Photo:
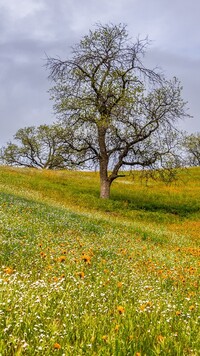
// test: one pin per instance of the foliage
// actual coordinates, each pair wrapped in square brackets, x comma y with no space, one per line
[191,144]
[39,147]
[79,279]
[119,112]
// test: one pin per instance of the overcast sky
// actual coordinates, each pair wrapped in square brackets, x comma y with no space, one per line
[31,28]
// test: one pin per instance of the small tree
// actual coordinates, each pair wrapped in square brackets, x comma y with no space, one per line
[191,144]
[119,112]
[38,147]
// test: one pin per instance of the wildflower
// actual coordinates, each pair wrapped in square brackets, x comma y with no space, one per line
[117,327]
[178,312]
[81,274]
[119,284]
[62,259]
[138,354]
[160,338]
[192,307]
[120,309]
[42,254]
[105,338]
[57,346]
[86,259]
[8,270]
[142,307]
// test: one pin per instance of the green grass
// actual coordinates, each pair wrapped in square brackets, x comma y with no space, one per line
[82,276]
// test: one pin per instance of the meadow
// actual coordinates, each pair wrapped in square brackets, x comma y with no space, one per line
[84,276]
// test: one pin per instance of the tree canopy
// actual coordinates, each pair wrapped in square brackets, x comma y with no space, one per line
[191,145]
[119,112]
[38,147]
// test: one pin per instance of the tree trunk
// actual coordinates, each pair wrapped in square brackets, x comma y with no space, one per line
[103,164]
[104,188]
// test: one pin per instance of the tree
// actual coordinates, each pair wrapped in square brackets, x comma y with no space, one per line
[119,112]
[39,147]
[191,144]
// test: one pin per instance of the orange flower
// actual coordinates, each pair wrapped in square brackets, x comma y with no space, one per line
[86,259]
[62,259]
[119,284]
[138,354]
[192,307]
[120,309]
[8,270]
[81,274]
[160,338]
[57,346]
[178,312]
[42,254]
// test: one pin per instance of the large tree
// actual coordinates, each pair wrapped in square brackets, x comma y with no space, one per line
[119,112]
[38,147]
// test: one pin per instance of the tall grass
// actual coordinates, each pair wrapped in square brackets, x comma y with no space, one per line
[82,276]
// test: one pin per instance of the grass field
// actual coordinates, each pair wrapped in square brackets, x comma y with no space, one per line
[83,276]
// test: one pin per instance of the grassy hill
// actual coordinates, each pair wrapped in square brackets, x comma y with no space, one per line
[83,276]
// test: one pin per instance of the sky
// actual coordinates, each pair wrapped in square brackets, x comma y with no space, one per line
[30,29]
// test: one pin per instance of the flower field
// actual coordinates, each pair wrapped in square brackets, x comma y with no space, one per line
[82,276]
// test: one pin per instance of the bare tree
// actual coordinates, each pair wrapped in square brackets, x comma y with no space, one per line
[119,112]
[38,147]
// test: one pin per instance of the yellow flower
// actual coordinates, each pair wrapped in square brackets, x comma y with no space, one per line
[143,307]
[120,309]
[105,338]
[117,327]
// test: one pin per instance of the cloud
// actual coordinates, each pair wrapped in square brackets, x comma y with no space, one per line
[31,28]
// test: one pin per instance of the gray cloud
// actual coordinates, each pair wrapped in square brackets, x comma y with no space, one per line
[31,28]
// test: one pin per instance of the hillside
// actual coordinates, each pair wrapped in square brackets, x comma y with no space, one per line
[83,276]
